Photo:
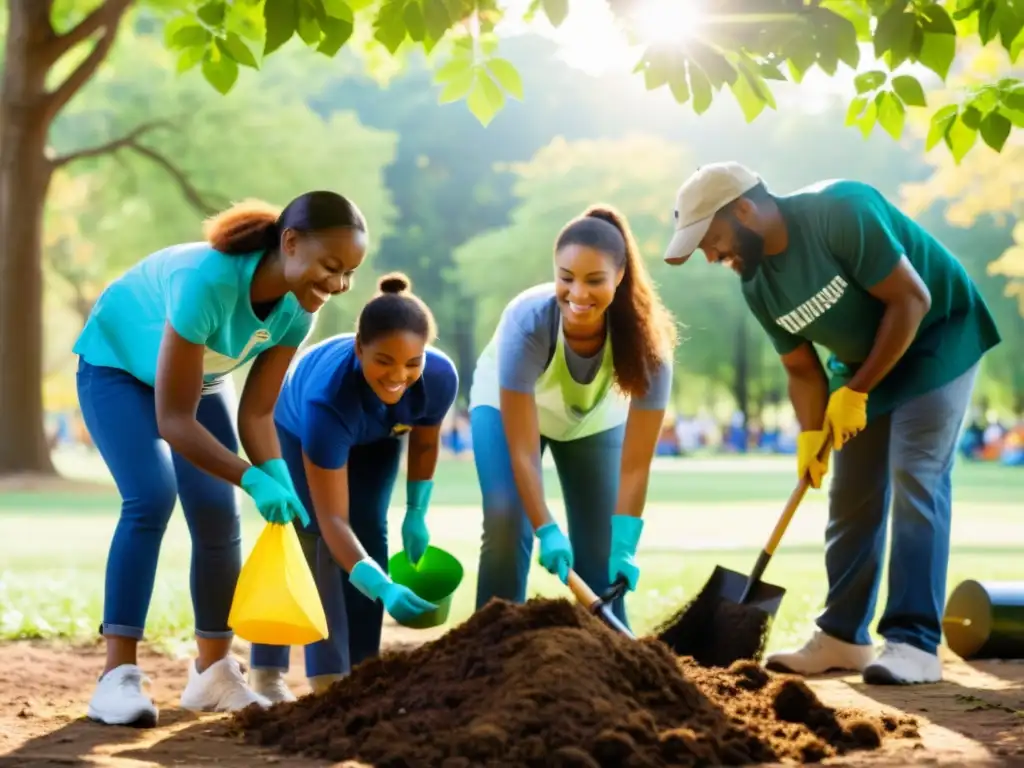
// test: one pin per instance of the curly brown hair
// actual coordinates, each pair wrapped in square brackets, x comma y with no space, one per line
[642,330]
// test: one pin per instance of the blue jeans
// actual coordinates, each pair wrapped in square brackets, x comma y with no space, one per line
[588,470]
[905,457]
[120,414]
[353,620]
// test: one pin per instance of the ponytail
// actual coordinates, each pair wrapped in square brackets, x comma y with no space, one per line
[253,225]
[641,329]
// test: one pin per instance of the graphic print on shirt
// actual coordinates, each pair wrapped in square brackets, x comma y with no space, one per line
[216,364]
[814,307]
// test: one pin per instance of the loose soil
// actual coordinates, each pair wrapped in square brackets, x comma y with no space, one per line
[546,683]
[716,632]
[971,719]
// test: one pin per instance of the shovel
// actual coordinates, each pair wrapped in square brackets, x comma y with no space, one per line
[600,606]
[729,618]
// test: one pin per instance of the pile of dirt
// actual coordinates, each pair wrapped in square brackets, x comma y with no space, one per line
[547,684]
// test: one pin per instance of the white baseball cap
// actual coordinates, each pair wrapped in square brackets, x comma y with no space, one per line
[709,189]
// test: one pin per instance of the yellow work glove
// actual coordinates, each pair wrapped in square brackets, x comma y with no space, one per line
[808,446]
[846,415]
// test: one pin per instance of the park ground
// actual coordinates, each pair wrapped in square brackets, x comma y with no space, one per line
[702,512]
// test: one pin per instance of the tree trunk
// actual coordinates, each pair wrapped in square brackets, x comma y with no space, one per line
[741,366]
[465,343]
[24,178]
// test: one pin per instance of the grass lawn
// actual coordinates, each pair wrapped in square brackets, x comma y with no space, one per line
[702,512]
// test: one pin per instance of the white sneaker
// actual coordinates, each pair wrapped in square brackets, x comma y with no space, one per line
[320,683]
[270,684]
[903,664]
[119,700]
[822,653]
[220,688]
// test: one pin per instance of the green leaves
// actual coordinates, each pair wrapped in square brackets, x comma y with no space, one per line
[484,83]
[909,90]
[556,11]
[746,57]
[221,71]
[995,130]
[281,18]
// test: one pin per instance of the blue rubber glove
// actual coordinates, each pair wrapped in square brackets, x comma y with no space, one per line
[415,536]
[274,501]
[625,538]
[400,602]
[278,469]
[555,551]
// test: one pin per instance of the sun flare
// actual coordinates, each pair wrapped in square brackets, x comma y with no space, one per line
[594,40]
[667,21]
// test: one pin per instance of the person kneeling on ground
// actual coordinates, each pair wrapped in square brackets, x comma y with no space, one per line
[340,416]
[836,264]
[154,362]
[583,365]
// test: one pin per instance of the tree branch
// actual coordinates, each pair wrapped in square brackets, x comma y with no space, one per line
[131,141]
[111,146]
[84,71]
[107,14]
[194,197]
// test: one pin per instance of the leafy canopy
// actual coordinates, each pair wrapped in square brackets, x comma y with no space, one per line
[745,45]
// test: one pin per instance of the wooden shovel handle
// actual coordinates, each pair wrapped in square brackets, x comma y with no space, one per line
[794,501]
[583,593]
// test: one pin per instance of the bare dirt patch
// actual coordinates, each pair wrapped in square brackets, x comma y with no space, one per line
[975,717]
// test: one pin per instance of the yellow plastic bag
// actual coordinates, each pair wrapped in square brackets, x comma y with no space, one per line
[276,600]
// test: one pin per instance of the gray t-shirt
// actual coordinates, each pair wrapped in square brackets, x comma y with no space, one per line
[528,342]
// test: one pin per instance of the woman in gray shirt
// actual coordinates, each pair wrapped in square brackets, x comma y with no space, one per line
[583,365]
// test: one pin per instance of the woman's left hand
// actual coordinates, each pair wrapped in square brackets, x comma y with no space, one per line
[625,538]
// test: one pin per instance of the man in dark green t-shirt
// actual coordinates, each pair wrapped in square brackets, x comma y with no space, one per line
[838,266]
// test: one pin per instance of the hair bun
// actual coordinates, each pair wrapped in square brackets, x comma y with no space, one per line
[394,282]
[606,214]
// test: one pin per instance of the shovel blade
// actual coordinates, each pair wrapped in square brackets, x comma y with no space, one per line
[729,585]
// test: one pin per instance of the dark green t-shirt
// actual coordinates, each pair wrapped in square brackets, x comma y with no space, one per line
[844,238]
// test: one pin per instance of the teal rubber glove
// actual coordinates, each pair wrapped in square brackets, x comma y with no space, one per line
[555,551]
[400,602]
[625,538]
[278,469]
[415,536]
[274,501]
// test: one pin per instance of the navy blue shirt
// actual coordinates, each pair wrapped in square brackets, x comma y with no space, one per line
[329,407]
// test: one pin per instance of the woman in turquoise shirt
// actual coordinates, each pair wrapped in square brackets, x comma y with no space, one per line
[154,359]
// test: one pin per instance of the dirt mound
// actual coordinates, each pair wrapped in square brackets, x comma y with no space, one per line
[546,684]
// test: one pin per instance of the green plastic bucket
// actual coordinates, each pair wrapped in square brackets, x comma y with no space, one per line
[435,578]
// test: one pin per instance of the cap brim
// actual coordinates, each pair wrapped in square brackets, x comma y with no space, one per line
[686,240]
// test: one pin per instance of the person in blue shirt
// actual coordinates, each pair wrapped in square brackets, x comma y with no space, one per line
[343,409]
[153,384]
[583,366]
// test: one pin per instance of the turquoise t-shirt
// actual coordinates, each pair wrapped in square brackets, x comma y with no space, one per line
[204,294]
[844,238]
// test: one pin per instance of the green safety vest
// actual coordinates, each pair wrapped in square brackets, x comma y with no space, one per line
[566,409]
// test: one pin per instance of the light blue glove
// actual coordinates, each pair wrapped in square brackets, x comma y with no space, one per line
[415,536]
[400,602]
[278,469]
[625,538]
[275,502]
[555,551]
